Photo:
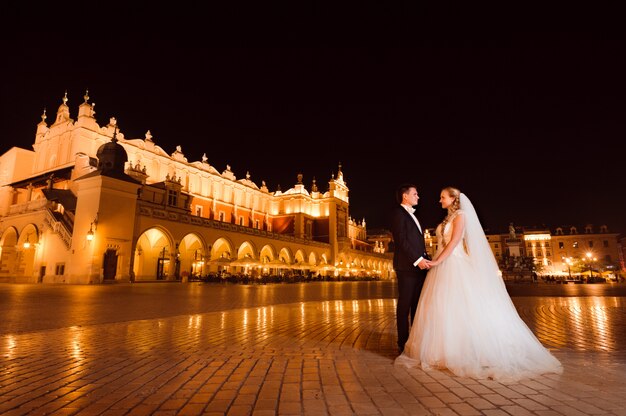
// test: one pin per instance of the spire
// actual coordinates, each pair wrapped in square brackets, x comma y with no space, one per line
[42,126]
[86,109]
[63,113]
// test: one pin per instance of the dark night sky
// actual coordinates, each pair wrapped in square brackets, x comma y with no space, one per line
[529,124]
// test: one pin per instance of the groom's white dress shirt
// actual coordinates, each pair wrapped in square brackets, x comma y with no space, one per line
[411,211]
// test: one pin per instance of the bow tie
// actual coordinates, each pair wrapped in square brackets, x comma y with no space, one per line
[410,209]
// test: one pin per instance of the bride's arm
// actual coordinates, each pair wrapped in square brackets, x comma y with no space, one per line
[458,225]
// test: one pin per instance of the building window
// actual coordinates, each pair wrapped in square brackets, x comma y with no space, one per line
[241,221]
[199,210]
[257,224]
[575,244]
[172,198]
[590,244]
[496,245]
[605,243]
[59,269]
[561,245]
[221,218]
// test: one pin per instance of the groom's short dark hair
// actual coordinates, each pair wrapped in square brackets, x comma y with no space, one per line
[403,189]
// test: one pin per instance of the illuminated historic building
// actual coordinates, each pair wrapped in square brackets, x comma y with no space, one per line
[87,205]
[563,251]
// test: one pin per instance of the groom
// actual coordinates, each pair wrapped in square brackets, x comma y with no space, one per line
[408,259]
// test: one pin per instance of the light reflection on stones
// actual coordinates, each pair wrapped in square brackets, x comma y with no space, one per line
[11,347]
[577,323]
[75,343]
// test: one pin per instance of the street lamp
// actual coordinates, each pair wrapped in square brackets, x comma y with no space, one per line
[589,259]
[569,266]
[27,242]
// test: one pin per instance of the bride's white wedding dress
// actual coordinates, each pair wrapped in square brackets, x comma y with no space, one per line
[465,320]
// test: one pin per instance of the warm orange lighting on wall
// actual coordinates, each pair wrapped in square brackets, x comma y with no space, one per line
[90,234]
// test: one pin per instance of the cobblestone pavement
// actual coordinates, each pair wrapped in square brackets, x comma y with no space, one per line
[317,348]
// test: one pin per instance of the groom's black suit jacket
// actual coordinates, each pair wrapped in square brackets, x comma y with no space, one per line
[408,241]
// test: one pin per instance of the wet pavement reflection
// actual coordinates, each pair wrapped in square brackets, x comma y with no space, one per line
[317,348]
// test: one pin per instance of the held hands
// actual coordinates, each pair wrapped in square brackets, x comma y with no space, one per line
[429,263]
[424,264]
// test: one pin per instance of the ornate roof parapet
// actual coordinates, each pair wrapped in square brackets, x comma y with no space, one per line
[112,129]
[179,155]
[298,188]
[137,172]
[173,182]
[248,182]
[228,174]
[314,186]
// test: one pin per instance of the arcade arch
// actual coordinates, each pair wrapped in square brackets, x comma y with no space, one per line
[155,256]
[8,251]
[191,255]
[26,251]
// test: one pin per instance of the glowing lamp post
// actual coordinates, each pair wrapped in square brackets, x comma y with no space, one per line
[569,266]
[590,259]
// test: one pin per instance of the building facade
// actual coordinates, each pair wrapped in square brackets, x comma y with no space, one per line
[562,252]
[87,205]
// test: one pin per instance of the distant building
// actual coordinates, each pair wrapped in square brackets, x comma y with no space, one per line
[87,205]
[561,251]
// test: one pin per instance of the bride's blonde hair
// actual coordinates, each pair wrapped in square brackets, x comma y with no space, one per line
[454,207]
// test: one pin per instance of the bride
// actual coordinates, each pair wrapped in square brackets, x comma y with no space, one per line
[465,320]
